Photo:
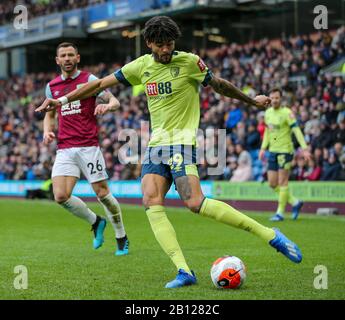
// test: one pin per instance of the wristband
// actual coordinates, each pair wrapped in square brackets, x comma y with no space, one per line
[63,100]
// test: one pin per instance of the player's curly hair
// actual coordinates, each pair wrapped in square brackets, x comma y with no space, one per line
[161,29]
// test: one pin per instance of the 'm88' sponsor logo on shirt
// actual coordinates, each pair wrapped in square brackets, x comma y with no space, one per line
[156,88]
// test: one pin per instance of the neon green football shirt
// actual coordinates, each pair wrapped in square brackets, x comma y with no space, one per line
[279,124]
[172,92]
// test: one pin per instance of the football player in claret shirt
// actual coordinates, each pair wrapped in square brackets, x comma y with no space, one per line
[280,122]
[78,148]
[172,79]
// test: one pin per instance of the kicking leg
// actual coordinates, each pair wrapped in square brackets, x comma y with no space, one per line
[191,193]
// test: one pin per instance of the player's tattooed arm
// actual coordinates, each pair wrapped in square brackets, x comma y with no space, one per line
[183,187]
[102,99]
[106,102]
[226,88]
[108,98]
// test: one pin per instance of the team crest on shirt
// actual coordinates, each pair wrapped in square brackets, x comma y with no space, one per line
[175,71]
[146,74]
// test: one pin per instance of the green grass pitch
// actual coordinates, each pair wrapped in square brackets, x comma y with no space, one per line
[57,250]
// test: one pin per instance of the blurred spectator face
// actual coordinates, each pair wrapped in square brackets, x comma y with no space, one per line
[338,82]
[304,116]
[301,162]
[251,128]
[231,149]
[317,153]
[305,102]
[314,102]
[334,125]
[238,148]
[311,162]
[332,158]
[261,117]
[67,59]
[316,114]
[338,147]
[294,68]
[323,125]
[342,124]
[275,99]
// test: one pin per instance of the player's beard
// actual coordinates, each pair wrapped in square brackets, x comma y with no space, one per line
[163,61]
[69,69]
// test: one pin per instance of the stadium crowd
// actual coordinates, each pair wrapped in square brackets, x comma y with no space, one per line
[293,64]
[38,8]
[41,7]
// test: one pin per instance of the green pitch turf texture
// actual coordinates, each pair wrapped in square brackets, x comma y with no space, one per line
[56,248]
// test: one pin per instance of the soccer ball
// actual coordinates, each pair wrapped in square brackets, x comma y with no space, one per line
[228,272]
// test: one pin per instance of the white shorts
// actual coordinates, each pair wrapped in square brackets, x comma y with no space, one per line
[88,160]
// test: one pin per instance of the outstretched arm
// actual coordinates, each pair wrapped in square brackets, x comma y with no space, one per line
[86,91]
[226,88]
[92,88]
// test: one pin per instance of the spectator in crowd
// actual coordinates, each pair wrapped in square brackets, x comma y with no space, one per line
[253,140]
[243,172]
[312,126]
[299,169]
[37,8]
[324,139]
[332,168]
[261,124]
[234,117]
[313,171]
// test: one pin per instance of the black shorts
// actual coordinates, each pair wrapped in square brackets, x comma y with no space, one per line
[279,161]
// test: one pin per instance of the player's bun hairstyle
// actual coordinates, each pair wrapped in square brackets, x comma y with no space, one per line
[161,29]
[65,45]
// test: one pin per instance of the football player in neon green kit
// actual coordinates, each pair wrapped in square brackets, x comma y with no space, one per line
[280,123]
[172,79]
